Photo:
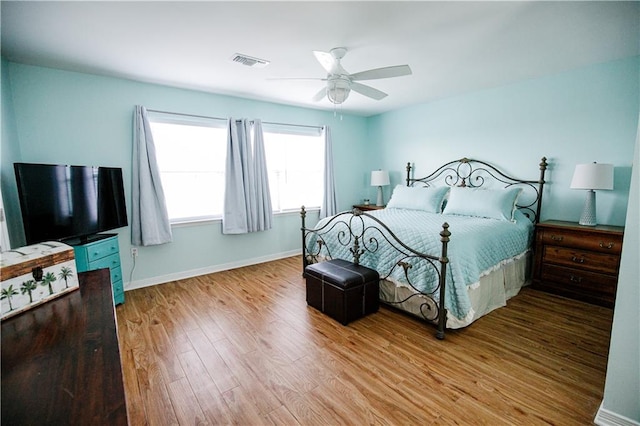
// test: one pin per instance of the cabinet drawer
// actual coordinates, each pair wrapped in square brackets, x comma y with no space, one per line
[102,249]
[116,275]
[117,287]
[111,262]
[588,260]
[586,240]
[118,298]
[118,292]
[576,279]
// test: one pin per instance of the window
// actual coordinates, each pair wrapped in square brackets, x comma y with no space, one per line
[295,160]
[191,154]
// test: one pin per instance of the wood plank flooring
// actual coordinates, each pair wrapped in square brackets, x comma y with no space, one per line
[242,347]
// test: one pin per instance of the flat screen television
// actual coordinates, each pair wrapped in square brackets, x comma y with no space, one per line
[61,202]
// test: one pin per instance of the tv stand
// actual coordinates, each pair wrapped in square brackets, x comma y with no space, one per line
[100,251]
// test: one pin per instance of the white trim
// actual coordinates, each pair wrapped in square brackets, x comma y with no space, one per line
[605,417]
[291,129]
[133,285]
[218,219]
[185,119]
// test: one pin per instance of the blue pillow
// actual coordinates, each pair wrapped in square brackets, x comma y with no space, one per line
[495,204]
[428,199]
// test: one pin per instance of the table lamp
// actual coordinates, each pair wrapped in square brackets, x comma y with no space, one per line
[591,176]
[380,178]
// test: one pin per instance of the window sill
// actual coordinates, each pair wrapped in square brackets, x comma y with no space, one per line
[209,220]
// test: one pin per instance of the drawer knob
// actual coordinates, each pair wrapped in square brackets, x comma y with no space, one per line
[575,279]
[608,246]
[557,238]
[577,259]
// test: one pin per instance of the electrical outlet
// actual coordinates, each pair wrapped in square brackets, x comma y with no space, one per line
[134,251]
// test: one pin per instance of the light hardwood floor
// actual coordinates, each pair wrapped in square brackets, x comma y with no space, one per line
[242,347]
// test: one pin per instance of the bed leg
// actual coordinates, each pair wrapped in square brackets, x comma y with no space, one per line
[442,311]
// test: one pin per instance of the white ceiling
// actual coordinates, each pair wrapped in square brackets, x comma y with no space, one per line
[452,47]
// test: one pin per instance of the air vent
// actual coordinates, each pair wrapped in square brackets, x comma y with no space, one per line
[249,61]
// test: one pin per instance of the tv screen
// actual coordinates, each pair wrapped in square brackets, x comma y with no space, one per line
[61,202]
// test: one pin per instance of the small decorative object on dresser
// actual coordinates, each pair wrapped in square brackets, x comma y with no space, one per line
[580,262]
[35,274]
[367,207]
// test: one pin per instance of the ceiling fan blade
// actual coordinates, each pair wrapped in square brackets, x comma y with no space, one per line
[386,72]
[368,91]
[320,95]
[326,60]
[329,63]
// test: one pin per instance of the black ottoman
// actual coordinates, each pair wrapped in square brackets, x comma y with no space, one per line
[343,290]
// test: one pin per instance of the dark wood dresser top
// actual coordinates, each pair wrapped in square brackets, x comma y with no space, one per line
[61,361]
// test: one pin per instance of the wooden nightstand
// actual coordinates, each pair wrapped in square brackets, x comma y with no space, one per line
[367,207]
[580,262]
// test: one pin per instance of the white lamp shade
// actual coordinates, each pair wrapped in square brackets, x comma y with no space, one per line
[379,178]
[593,176]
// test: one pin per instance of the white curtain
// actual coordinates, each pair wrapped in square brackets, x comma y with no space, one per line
[247,200]
[149,217]
[329,204]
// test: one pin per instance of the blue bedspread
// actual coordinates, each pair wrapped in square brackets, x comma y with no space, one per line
[476,247]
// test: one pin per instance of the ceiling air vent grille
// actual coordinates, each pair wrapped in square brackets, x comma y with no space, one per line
[249,61]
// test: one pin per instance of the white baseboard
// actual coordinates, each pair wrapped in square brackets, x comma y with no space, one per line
[605,417]
[132,285]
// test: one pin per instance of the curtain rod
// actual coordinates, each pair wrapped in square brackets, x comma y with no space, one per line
[219,118]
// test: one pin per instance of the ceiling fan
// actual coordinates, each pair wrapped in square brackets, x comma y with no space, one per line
[340,82]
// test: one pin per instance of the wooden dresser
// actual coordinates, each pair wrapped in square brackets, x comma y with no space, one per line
[580,262]
[61,361]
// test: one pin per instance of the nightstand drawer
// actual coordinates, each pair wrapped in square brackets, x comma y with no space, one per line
[579,281]
[581,262]
[585,240]
[587,260]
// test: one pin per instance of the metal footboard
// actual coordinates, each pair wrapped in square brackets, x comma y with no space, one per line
[363,234]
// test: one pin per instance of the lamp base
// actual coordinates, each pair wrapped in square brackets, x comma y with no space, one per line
[588,217]
[380,201]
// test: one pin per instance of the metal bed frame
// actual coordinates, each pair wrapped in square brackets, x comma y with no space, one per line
[363,233]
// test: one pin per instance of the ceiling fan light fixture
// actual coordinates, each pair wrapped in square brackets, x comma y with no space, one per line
[338,90]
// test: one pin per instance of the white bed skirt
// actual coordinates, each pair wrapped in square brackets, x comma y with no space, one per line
[494,290]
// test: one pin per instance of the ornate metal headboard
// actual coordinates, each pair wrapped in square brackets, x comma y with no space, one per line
[471,173]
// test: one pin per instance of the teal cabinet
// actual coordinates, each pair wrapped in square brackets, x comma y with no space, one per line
[102,253]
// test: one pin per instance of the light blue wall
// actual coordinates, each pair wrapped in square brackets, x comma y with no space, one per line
[584,115]
[73,118]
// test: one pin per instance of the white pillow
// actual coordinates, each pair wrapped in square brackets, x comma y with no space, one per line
[491,203]
[418,198]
